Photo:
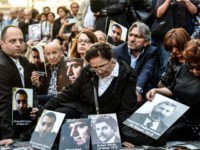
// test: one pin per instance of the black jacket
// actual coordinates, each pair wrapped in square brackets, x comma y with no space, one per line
[9,78]
[80,95]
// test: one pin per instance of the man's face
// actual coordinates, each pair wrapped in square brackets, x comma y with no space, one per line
[74,9]
[116,34]
[79,132]
[104,131]
[36,57]
[136,41]
[12,44]
[21,101]
[73,70]
[27,15]
[46,125]
[53,55]
[162,111]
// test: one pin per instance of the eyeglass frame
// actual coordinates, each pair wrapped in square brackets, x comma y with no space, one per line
[101,67]
[191,67]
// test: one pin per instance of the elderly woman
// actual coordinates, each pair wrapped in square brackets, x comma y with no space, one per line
[82,43]
[186,90]
[175,41]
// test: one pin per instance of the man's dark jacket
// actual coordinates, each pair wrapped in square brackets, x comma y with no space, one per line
[146,65]
[9,78]
[121,97]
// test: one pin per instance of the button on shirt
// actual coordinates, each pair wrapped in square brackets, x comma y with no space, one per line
[20,69]
[106,81]
[134,59]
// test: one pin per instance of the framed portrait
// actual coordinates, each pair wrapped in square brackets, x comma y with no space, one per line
[35,32]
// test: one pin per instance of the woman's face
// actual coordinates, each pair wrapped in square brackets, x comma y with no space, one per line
[175,51]
[50,18]
[61,13]
[83,44]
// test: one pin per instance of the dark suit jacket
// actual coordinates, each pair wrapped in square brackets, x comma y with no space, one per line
[146,65]
[140,118]
[9,78]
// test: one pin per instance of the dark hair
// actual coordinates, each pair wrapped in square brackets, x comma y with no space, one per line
[35,49]
[108,120]
[166,103]
[179,35]
[35,12]
[42,14]
[52,14]
[117,26]
[63,8]
[192,51]
[50,115]
[101,49]
[21,92]
[4,31]
[46,7]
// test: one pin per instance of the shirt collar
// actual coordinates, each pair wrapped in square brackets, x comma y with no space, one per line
[129,52]
[115,71]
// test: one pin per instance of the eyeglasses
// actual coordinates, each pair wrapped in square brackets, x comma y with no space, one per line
[86,41]
[136,36]
[47,124]
[36,56]
[101,67]
[191,67]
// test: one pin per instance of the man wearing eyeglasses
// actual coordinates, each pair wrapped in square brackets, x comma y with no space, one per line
[140,55]
[45,135]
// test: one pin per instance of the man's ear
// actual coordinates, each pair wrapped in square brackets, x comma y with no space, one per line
[146,43]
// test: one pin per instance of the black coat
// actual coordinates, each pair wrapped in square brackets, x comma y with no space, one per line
[9,78]
[80,95]
[109,10]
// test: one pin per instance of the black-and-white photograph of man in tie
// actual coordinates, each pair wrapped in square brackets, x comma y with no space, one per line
[154,119]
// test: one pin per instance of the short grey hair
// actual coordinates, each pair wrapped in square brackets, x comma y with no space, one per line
[143,29]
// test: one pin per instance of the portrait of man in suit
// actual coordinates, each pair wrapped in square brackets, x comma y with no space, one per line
[154,119]
[106,129]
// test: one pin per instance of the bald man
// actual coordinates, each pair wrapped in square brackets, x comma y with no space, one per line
[56,78]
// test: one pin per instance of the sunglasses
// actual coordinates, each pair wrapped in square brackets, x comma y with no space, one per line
[191,67]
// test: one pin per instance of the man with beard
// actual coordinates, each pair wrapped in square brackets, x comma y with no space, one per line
[22,112]
[115,38]
[140,55]
[45,136]
[154,119]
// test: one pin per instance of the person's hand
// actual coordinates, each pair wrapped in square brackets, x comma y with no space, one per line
[35,79]
[30,42]
[26,21]
[127,144]
[139,97]
[6,142]
[150,95]
[66,23]
[33,113]
[97,14]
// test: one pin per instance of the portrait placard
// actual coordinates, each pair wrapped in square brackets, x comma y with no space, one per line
[38,60]
[116,33]
[46,130]
[75,134]
[74,67]
[154,118]
[22,103]
[105,132]
[34,32]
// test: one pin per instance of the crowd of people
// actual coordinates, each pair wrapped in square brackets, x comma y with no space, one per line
[88,71]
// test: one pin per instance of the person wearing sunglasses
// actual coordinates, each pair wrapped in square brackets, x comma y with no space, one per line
[185,89]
